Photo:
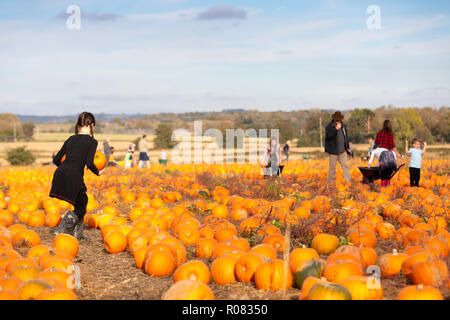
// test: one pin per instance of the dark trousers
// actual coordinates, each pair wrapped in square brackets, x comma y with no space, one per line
[414,176]
[81,204]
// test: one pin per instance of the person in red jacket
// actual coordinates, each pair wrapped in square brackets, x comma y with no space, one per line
[385,138]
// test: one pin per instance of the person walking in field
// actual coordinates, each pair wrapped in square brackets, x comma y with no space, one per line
[129,157]
[143,147]
[385,138]
[286,151]
[337,146]
[68,179]
[107,149]
[272,158]
[371,146]
[275,157]
[415,161]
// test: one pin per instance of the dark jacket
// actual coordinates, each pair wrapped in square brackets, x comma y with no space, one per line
[68,179]
[330,138]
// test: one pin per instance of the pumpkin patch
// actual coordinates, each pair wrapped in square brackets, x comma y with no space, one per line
[200,233]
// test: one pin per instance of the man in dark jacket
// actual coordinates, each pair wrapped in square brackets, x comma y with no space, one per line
[336,145]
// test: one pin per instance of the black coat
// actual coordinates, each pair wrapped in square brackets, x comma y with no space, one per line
[330,138]
[68,179]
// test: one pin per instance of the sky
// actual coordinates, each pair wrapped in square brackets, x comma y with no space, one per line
[151,56]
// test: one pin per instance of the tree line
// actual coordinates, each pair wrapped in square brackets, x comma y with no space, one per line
[427,124]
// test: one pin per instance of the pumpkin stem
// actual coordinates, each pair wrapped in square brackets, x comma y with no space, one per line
[394,252]
[420,287]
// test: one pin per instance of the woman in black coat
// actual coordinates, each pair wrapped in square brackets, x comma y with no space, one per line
[68,179]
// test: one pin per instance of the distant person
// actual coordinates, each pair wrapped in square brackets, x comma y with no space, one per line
[107,149]
[385,138]
[415,161]
[164,157]
[337,146]
[352,153]
[111,160]
[371,146]
[129,157]
[68,183]
[143,147]
[286,150]
[272,158]
[132,147]
[387,163]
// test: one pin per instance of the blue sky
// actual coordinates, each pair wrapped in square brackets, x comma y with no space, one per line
[154,56]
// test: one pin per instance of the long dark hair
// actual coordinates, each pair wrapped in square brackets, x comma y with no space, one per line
[85,119]
[387,127]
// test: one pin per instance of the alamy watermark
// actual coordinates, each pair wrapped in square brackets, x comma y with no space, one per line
[374,20]
[211,147]
[74,280]
[374,281]
[73,22]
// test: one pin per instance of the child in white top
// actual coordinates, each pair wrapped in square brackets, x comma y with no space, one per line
[415,161]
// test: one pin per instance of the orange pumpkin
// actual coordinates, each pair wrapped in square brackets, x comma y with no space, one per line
[265,250]
[193,270]
[391,263]
[26,237]
[276,240]
[66,242]
[419,292]
[369,256]
[246,266]
[56,294]
[340,270]
[204,248]
[274,276]
[99,160]
[430,272]
[30,289]
[160,263]
[115,242]
[363,288]
[26,273]
[188,290]
[222,270]
[224,234]
[325,243]
[300,255]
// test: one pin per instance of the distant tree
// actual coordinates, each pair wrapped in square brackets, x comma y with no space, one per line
[117,120]
[20,156]
[441,130]
[142,124]
[310,133]
[405,123]
[9,122]
[28,129]
[163,138]
[286,130]
[358,125]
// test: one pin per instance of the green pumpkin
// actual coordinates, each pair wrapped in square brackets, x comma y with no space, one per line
[328,291]
[310,268]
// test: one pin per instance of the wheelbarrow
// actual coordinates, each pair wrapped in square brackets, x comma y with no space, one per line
[370,174]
